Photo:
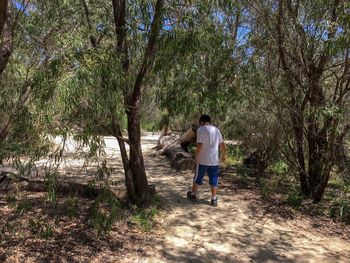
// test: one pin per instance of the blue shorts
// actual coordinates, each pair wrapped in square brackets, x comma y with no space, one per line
[213,174]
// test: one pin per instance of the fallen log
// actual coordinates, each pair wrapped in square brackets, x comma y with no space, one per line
[179,159]
[9,178]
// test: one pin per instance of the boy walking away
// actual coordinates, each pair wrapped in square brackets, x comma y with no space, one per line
[209,141]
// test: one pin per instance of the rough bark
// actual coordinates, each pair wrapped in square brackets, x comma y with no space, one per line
[136,178]
[6,44]
[320,137]
[3,14]
[8,179]
[296,111]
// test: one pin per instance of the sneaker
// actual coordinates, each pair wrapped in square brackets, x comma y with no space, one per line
[214,202]
[191,196]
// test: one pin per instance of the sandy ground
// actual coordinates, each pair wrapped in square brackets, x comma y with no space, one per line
[238,230]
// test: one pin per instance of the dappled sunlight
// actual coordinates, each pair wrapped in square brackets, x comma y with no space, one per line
[238,230]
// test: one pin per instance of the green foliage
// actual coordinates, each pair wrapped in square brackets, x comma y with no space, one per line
[70,207]
[294,199]
[144,217]
[245,172]
[267,187]
[104,212]
[24,206]
[164,119]
[40,228]
[279,168]
[150,126]
[51,180]
[235,154]
[337,182]
[340,210]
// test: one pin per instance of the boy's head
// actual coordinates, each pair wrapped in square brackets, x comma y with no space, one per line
[204,119]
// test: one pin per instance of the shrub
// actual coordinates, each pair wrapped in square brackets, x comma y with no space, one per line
[104,212]
[340,210]
[23,206]
[70,207]
[294,199]
[144,217]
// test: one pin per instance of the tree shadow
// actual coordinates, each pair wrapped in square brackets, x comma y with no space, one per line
[240,229]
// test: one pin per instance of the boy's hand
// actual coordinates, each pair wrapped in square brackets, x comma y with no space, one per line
[222,158]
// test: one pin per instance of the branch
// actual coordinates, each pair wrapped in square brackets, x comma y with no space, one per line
[119,13]
[324,56]
[23,98]
[150,49]
[87,15]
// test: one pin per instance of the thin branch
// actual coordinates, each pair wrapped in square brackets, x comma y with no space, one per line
[87,16]
[150,49]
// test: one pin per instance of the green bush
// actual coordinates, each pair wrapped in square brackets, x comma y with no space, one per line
[144,217]
[279,168]
[70,207]
[235,154]
[104,212]
[294,199]
[340,210]
[41,229]
[23,206]
[267,187]
[51,187]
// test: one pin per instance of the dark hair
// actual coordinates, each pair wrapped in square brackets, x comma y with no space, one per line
[204,118]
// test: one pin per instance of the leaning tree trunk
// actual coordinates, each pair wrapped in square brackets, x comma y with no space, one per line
[3,14]
[139,185]
[6,40]
[135,173]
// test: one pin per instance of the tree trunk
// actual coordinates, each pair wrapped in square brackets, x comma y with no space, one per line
[298,137]
[6,44]
[3,14]
[136,163]
[135,173]
[128,173]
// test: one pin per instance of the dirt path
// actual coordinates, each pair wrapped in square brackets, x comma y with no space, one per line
[243,228]
[238,230]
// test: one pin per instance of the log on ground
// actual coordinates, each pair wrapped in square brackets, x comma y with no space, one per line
[179,159]
[11,179]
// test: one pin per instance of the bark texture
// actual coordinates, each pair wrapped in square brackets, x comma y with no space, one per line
[3,14]
[136,179]
[179,159]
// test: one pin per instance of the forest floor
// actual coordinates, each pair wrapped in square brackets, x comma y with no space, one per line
[243,227]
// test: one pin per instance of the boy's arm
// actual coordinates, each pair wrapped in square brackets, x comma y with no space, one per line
[222,152]
[198,150]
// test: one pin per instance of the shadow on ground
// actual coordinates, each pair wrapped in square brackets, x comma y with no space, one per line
[240,229]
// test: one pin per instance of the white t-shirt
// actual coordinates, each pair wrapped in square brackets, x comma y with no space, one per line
[210,137]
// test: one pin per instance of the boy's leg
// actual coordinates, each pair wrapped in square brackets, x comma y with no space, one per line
[213,173]
[194,188]
[213,191]
[197,180]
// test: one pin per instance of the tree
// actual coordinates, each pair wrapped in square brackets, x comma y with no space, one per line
[136,179]
[111,74]
[313,54]
[3,14]
[28,79]
[198,61]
